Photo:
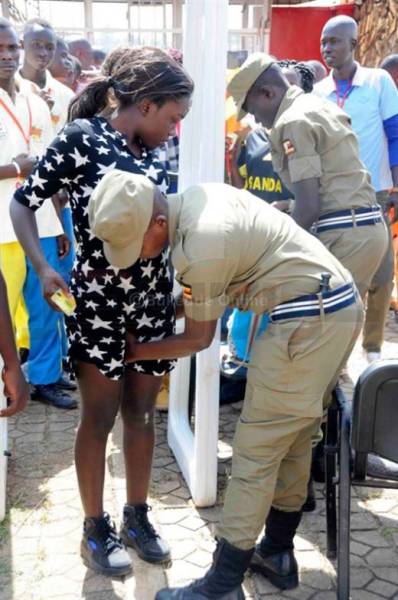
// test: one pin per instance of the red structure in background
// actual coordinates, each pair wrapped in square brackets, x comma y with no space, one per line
[296,30]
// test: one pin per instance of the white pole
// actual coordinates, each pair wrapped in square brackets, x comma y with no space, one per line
[201,160]
[88,20]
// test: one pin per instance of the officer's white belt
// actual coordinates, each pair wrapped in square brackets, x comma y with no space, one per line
[345,219]
[314,305]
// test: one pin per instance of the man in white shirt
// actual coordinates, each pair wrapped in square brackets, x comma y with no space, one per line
[40,47]
[25,131]
[39,43]
[62,66]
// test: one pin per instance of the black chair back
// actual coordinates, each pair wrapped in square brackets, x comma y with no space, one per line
[375,415]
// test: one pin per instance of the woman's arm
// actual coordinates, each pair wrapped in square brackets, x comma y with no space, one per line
[59,201]
[24,222]
[54,168]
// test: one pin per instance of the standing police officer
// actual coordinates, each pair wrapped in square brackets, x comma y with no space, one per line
[316,154]
[230,248]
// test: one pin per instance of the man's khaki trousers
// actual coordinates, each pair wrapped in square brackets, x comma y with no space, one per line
[360,250]
[295,365]
[379,293]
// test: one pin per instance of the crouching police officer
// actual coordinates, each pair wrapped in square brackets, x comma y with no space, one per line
[230,248]
[315,152]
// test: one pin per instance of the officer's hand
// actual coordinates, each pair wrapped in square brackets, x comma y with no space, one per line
[392,202]
[282,205]
[51,281]
[63,244]
[15,389]
[26,164]
[131,343]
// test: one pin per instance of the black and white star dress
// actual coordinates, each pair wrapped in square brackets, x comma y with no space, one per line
[110,301]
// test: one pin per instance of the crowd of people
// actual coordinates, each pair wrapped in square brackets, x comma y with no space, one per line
[299,236]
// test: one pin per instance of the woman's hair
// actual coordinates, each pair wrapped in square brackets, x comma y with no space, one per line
[131,75]
[305,73]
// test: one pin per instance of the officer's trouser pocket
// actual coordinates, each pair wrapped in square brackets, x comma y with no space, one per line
[294,363]
[281,376]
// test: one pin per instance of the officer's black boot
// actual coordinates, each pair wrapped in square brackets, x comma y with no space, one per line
[274,556]
[222,581]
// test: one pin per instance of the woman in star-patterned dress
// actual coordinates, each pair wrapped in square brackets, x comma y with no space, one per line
[117,121]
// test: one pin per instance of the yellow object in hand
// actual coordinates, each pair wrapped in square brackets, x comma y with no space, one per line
[65,302]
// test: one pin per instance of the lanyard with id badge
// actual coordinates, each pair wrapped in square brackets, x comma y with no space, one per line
[26,135]
[65,302]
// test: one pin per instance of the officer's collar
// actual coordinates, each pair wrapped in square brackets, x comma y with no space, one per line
[292,93]
[175,204]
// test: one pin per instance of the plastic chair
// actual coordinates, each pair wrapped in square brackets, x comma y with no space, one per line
[355,440]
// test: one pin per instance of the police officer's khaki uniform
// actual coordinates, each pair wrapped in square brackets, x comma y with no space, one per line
[379,293]
[230,248]
[312,138]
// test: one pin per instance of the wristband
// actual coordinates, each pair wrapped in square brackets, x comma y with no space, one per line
[17,168]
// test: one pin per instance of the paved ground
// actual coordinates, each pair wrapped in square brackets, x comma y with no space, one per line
[39,540]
